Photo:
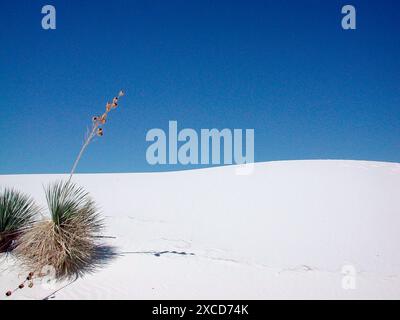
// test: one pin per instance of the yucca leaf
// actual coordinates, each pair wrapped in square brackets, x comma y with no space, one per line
[68,202]
[17,211]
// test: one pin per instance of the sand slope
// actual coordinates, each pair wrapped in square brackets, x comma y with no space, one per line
[285,231]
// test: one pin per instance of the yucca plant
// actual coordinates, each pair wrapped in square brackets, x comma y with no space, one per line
[67,241]
[17,213]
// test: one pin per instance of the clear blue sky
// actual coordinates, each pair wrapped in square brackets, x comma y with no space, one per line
[285,68]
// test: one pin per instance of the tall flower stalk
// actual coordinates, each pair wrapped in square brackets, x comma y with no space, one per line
[97,129]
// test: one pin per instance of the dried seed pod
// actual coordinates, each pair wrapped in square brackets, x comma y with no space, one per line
[100,132]
[21,286]
[94,119]
[121,93]
[115,100]
[114,105]
[30,284]
[108,106]
[8,293]
[103,118]
[30,274]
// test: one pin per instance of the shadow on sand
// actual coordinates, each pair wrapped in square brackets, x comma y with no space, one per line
[101,256]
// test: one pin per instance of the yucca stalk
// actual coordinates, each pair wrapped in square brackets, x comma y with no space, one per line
[96,130]
[17,213]
[67,241]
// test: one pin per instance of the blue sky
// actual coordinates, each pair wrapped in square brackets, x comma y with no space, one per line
[310,89]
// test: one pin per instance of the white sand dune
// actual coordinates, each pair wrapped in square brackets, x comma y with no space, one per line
[285,231]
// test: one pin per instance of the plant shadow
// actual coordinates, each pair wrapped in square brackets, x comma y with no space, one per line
[101,256]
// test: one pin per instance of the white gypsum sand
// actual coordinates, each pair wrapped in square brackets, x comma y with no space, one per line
[285,231]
